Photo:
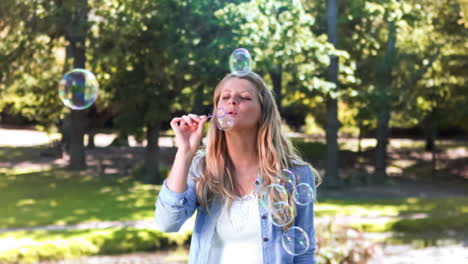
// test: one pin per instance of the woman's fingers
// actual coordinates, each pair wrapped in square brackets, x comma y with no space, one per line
[189,120]
[194,117]
[175,121]
[201,123]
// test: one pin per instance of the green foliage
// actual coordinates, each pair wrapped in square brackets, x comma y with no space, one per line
[139,174]
[144,52]
[310,151]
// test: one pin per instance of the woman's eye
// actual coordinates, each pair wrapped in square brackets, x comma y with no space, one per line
[245,98]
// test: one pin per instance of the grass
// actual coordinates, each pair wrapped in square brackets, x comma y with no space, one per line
[412,215]
[29,247]
[63,197]
[57,196]
[20,153]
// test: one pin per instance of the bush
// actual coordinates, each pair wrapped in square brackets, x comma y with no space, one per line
[310,151]
[139,174]
[343,245]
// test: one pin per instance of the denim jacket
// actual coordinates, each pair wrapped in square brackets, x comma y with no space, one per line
[173,209]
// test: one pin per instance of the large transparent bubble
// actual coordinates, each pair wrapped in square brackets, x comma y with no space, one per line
[78,89]
[303,194]
[240,61]
[281,213]
[225,123]
[271,194]
[287,179]
[295,241]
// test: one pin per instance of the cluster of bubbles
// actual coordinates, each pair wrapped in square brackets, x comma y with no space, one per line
[78,89]
[277,197]
[223,121]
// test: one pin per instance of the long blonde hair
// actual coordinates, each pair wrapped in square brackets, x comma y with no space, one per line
[275,151]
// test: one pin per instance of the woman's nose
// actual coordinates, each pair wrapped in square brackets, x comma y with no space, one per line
[233,102]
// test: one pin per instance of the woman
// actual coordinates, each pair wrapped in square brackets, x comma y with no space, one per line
[221,181]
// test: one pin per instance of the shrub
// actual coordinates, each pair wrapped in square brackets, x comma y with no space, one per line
[342,244]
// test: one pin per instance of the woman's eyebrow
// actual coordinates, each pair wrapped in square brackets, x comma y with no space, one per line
[244,91]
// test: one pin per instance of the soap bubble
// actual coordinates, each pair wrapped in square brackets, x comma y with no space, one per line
[281,213]
[225,123]
[295,241]
[240,61]
[303,194]
[78,89]
[220,112]
[271,194]
[287,179]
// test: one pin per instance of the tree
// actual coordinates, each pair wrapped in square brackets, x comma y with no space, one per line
[76,33]
[38,31]
[332,160]
[166,49]
[285,49]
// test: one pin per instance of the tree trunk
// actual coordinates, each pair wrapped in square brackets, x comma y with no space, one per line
[430,132]
[277,79]
[359,143]
[77,156]
[385,110]
[381,149]
[430,143]
[197,106]
[92,121]
[91,135]
[77,42]
[332,165]
[152,154]
[65,125]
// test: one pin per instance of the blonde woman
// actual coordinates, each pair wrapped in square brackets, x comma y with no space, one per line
[220,181]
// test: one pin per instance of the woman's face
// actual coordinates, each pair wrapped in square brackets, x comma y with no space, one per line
[240,100]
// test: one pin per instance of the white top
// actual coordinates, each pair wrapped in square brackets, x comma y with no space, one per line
[237,237]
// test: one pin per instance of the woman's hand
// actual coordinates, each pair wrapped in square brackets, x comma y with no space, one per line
[188,132]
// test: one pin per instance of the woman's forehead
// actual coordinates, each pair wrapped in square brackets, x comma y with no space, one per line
[238,85]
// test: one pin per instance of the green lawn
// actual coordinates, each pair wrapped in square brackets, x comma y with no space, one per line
[62,197]
[410,215]
[33,246]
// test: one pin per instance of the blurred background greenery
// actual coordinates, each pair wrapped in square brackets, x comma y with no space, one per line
[373,93]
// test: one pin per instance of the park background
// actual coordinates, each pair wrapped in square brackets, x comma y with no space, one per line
[373,94]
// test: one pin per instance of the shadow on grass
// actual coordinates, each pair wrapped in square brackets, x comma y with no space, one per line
[59,197]
[410,218]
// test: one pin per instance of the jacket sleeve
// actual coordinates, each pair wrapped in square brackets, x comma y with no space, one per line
[172,208]
[305,218]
